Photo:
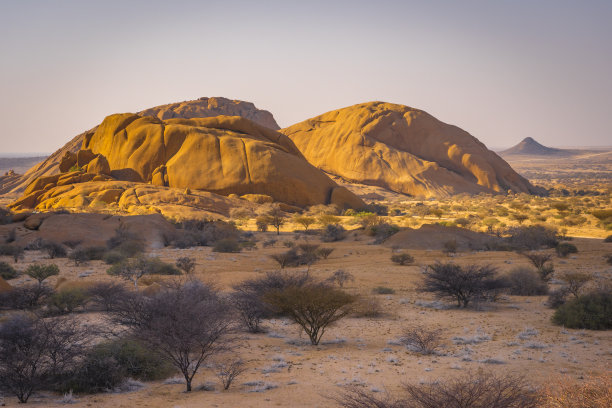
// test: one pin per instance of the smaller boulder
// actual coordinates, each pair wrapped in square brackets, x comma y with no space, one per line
[99,165]
[84,157]
[34,221]
[68,160]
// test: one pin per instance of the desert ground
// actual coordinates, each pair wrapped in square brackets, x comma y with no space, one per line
[512,335]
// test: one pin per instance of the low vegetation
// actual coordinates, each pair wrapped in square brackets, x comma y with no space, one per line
[591,311]
[473,390]
[313,307]
[462,283]
[402,258]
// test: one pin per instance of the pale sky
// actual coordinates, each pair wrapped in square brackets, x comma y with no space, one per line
[502,70]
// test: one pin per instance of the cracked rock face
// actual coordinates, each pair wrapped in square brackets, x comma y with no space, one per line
[222,155]
[199,108]
[403,149]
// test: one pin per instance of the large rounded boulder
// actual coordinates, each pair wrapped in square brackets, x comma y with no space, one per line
[222,155]
[403,149]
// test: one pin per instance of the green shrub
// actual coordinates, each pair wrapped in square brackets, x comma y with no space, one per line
[381,231]
[67,300]
[108,364]
[526,282]
[7,271]
[382,290]
[531,237]
[565,248]
[227,245]
[42,272]
[113,257]
[592,311]
[312,307]
[403,258]
[83,255]
[136,360]
[156,266]
[97,373]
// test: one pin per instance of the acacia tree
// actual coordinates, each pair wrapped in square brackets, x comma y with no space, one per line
[313,307]
[130,269]
[276,218]
[305,221]
[541,262]
[461,283]
[187,323]
[35,351]
[42,272]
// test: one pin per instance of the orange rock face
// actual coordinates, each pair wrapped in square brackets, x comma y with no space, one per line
[222,155]
[404,150]
[199,108]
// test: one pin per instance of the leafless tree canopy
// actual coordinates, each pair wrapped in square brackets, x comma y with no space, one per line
[421,339]
[35,351]
[187,323]
[227,372]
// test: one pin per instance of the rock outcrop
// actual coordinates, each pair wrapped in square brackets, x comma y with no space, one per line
[403,149]
[209,107]
[222,155]
[203,107]
[530,147]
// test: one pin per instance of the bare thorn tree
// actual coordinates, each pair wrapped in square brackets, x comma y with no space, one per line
[187,323]
[35,351]
[423,340]
[227,372]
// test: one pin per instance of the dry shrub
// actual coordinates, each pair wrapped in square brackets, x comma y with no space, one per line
[482,389]
[422,340]
[341,277]
[592,392]
[367,306]
[526,282]
[575,281]
[403,258]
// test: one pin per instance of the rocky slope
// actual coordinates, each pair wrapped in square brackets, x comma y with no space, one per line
[225,155]
[403,149]
[203,107]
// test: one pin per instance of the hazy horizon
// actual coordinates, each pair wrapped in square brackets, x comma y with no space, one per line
[502,71]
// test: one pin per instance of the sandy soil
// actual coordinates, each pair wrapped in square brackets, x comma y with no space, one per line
[285,371]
